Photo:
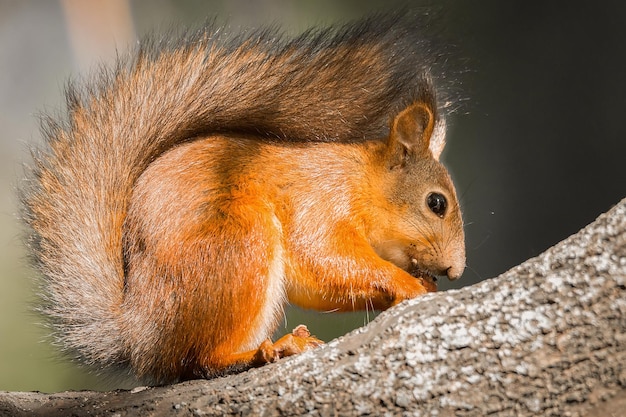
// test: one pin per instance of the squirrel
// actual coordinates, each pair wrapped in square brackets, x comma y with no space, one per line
[202,183]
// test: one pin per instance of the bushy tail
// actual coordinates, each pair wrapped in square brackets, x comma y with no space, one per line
[330,84]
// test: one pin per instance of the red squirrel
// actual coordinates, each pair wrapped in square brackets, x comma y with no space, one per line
[199,186]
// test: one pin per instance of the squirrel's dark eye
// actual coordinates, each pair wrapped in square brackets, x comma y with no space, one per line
[437,204]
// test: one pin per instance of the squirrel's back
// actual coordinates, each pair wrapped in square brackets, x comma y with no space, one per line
[335,84]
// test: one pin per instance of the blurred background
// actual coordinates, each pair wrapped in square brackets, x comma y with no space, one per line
[536,149]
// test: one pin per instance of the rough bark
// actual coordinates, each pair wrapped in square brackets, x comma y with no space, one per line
[546,338]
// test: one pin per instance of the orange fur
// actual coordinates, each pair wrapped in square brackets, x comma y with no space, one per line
[208,219]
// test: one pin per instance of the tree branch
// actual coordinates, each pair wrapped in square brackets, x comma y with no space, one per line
[545,338]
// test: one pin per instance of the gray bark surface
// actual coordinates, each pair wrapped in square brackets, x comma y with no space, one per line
[546,338]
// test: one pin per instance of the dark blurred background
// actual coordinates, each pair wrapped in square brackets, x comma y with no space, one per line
[536,147]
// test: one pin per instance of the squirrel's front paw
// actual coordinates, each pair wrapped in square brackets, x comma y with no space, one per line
[406,286]
[298,341]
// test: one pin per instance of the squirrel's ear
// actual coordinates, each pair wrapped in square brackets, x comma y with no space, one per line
[415,130]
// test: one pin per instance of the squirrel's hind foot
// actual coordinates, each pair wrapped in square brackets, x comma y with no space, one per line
[298,341]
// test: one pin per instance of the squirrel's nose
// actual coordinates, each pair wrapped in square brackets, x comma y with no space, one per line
[452,272]
[456,264]
[455,271]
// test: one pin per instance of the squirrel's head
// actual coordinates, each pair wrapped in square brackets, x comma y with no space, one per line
[423,228]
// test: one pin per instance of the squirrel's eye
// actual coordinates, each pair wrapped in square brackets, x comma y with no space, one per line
[437,204]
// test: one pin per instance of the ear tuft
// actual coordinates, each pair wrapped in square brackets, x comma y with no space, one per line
[438,139]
